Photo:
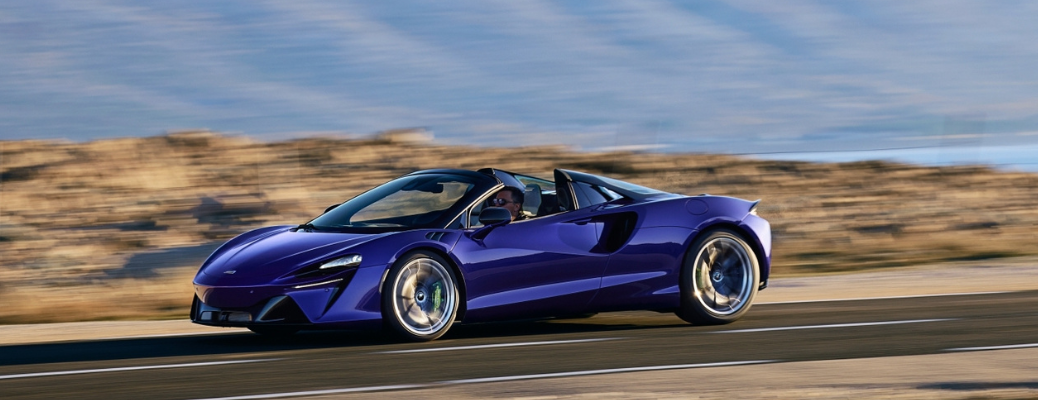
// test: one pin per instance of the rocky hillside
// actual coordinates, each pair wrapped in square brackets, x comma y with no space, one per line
[116,228]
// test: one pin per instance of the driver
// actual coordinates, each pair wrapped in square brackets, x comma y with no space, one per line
[511,199]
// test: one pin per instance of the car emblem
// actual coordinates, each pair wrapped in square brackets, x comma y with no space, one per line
[230,272]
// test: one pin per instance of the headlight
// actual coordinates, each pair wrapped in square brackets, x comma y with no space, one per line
[327,268]
[351,260]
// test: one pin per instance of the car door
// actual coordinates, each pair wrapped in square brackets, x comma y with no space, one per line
[539,267]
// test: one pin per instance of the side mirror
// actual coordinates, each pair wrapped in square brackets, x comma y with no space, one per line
[491,217]
[494,216]
[331,207]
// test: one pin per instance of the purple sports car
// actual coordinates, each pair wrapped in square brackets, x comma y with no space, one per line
[431,248]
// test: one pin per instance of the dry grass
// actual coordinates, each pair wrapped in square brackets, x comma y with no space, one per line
[162,297]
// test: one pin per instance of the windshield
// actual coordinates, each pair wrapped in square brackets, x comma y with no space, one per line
[413,201]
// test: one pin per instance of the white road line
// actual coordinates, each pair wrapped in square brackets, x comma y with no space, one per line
[166,335]
[604,371]
[123,369]
[322,392]
[879,298]
[487,380]
[491,346]
[850,325]
[1006,347]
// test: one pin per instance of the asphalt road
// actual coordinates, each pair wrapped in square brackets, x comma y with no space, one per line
[243,364]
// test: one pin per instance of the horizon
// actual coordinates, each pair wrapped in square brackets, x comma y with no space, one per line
[1015,158]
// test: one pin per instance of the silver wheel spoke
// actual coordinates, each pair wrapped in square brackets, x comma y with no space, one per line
[417,316]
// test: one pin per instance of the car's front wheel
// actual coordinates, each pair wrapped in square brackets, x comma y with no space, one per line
[718,279]
[420,296]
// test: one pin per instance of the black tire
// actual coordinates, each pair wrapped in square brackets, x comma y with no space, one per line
[719,279]
[420,297]
[274,331]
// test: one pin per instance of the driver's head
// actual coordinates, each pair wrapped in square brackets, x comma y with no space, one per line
[509,198]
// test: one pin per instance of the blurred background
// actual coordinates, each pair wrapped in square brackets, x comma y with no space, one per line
[136,136]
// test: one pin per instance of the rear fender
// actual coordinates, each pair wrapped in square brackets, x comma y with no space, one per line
[748,229]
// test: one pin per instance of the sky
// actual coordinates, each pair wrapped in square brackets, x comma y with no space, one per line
[774,78]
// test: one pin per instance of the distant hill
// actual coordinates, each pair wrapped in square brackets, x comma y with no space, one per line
[88,226]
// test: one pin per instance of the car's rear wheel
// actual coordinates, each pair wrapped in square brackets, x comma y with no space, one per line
[719,279]
[420,297]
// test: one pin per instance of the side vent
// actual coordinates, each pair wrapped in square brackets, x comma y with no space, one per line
[617,230]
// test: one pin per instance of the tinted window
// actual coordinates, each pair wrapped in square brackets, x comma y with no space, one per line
[589,195]
[609,194]
[474,214]
[545,185]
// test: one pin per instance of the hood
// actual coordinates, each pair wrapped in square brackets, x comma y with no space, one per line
[262,260]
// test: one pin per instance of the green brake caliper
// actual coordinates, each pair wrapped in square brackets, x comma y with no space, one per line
[437,295]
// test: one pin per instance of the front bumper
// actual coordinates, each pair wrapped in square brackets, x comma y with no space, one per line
[347,301]
[279,310]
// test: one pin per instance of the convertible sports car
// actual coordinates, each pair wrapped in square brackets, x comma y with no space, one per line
[428,249]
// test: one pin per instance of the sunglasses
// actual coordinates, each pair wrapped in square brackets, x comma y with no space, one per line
[500,202]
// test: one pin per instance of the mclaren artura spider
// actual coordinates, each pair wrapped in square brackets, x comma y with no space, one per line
[438,247]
